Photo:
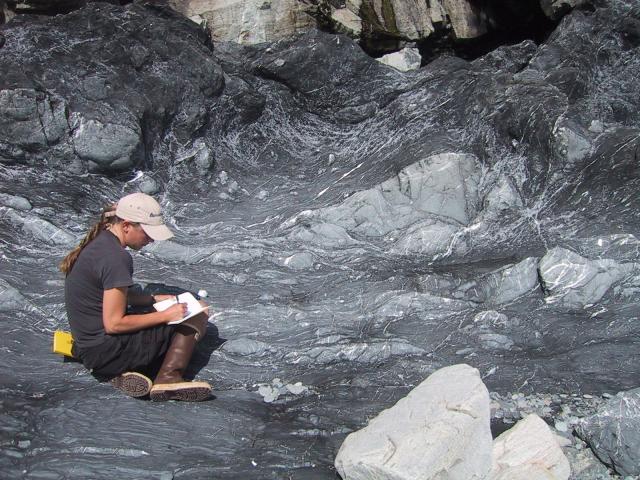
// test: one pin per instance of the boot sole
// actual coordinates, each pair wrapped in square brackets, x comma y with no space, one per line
[132,384]
[183,391]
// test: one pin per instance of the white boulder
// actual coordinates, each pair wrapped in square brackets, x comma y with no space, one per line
[403,60]
[440,430]
[529,451]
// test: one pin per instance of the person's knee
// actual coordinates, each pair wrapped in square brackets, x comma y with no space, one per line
[197,323]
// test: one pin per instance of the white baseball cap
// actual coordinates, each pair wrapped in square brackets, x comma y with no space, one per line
[143,209]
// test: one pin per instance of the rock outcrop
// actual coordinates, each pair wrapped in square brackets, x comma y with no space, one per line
[256,21]
[248,21]
[253,21]
[540,142]
[613,433]
[110,105]
[438,193]
[575,281]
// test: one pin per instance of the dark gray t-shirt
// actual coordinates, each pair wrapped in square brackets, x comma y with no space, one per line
[103,264]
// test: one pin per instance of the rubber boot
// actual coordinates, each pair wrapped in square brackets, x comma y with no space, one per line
[169,384]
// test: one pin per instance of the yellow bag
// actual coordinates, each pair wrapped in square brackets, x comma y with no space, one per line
[62,343]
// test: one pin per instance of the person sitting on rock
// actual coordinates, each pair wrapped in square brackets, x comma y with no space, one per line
[111,340]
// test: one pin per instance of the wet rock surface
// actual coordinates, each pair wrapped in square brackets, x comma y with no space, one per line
[306,186]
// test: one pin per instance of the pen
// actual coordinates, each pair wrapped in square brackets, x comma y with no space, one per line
[177,299]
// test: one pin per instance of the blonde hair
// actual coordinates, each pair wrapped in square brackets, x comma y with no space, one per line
[108,217]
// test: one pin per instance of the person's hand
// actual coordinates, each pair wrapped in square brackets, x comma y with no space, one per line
[175,312]
[161,297]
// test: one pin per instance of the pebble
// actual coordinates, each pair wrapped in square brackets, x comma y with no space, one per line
[561,410]
[149,186]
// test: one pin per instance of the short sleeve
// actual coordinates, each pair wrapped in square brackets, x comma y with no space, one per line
[116,271]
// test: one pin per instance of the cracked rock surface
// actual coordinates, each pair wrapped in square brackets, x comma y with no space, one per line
[357,228]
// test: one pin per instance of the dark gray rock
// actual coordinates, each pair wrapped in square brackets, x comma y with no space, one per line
[37,228]
[613,433]
[321,69]
[33,120]
[113,99]
[10,297]
[511,58]
[549,133]
[585,465]
[556,8]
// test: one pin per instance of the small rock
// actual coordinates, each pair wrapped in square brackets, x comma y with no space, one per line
[297,388]
[299,261]
[14,201]
[561,426]
[149,186]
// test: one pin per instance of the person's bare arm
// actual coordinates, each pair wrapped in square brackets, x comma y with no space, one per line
[115,319]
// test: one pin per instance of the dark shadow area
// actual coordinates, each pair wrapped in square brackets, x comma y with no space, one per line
[36,7]
[509,23]
[54,7]
[205,347]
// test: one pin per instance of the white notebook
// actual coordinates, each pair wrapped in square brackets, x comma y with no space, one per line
[193,306]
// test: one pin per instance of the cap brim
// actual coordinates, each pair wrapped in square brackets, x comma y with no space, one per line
[157,232]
